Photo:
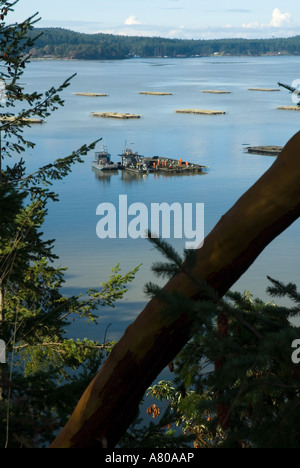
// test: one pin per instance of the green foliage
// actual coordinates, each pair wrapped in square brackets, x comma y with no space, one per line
[158,434]
[63,43]
[46,371]
[235,383]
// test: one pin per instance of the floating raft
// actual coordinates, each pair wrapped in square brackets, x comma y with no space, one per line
[289,108]
[175,168]
[155,93]
[115,115]
[215,91]
[267,90]
[137,164]
[15,119]
[166,166]
[200,111]
[266,150]
[91,94]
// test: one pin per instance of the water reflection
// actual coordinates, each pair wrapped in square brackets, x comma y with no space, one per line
[131,177]
[104,176]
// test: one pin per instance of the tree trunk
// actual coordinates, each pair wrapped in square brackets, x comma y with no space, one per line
[111,401]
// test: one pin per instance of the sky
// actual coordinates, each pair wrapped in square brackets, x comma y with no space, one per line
[183,19]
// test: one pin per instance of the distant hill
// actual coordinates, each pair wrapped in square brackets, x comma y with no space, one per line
[65,44]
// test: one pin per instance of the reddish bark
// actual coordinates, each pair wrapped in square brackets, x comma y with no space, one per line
[111,401]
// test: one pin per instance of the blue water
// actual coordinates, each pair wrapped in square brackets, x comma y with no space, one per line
[215,141]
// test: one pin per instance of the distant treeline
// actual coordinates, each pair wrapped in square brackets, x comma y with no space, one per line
[63,43]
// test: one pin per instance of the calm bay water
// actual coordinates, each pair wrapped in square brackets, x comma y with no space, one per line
[216,141]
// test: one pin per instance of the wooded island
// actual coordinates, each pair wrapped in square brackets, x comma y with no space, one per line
[65,44]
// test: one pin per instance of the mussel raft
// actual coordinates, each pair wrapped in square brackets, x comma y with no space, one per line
[134,162]
[137,164]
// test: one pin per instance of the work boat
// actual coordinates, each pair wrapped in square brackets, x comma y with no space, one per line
[103,162]
[134,162]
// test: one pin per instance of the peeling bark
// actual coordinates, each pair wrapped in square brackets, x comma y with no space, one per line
[111,401]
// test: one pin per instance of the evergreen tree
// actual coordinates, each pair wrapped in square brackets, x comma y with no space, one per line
[236,384]
[46,372]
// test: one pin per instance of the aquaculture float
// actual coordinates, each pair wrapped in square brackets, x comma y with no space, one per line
[91,94]
[134,162]
[200,111]
[116,115]
[21,120]
[289,108]
[155,93]
[265,150]
[215,91]
[265,90]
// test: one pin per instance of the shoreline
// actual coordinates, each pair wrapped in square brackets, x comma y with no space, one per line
[67,59]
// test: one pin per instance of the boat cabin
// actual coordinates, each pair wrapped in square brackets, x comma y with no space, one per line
[128,158]
[102,158]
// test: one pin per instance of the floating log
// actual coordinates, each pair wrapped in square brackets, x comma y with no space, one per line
[266,150]
[289,108]
[215,91]
[155,93]
[200,111]
[91,94]
[115,115]
[22,120]
[267,90]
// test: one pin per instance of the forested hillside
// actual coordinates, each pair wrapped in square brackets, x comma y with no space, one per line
[63,43]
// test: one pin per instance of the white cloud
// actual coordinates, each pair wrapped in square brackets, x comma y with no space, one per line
[252,25]
[279,18]
[280,24]
[132,20]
